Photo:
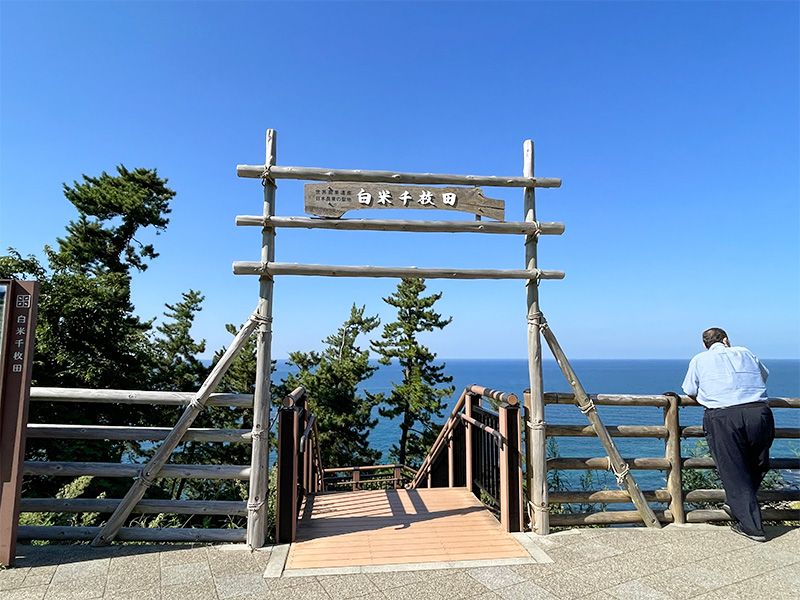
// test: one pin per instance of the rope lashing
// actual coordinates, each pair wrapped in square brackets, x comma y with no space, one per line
[620,475]
[537,424]
[257,434]
[586,408]
[537,319]
[196,404]
[266,177]
[145,480]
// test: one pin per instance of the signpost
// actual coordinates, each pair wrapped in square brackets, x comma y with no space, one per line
[334,199]
[18,311]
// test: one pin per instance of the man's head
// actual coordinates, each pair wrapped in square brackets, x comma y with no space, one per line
[714,335]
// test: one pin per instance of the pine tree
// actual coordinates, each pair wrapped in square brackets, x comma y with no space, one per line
[331,378]
[416,401]
[88,335]
[178,368]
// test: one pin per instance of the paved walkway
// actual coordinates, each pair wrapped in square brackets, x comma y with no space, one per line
[694,561]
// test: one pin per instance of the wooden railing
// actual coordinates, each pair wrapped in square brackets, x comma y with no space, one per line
[480,450]
[300,469]
[368,477]
[127,470]
[672,462]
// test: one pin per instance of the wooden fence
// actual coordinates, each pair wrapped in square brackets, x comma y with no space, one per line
[672,462]
[480,450]
[128,470]
[394,476]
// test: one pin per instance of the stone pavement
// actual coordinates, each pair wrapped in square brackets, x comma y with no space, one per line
[703,562]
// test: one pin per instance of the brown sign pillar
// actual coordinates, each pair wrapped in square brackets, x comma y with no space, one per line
[18,311]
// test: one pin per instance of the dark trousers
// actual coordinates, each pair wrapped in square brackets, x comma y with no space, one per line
[739,438]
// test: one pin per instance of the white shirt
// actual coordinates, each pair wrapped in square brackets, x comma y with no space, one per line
[726,376]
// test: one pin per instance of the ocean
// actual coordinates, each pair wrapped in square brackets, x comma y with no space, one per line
[642,376]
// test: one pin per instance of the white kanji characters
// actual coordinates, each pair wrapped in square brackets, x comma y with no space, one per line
[20,331]
[449,198]
[385,197]
[24,301]
[17,368]
[17,355]
[405,197]
[19,343]
[364,197]
[22,319]
[426,198]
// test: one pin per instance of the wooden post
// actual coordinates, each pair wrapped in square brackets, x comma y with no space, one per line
[616,464]
[535,437]
[469,442]
[18,320]
[356,479]
[286,501]
[397,477]
[451,463]
[259,472]
[510,469]
[150,471]
[673,455]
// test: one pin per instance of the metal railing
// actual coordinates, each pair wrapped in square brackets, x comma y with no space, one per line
[480,449]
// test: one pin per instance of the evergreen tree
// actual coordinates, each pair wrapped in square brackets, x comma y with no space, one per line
[177,366]
[416,401]
[331,378]
[87,334]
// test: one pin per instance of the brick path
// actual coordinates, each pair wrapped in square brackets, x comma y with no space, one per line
[704,562]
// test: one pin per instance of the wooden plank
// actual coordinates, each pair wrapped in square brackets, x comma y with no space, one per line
[133,534]
[100,432]
[275,268]
[77,469]
[51,394]
[335,199]
[319,174]
[178,507]
[408,526]
[507,228]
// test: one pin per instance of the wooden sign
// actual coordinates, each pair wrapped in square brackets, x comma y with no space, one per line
[335,199]
[18,312]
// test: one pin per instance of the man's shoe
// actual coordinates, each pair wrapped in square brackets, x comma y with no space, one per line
[756,538]
[727,510]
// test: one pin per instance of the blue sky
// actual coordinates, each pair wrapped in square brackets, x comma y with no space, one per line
[674,127]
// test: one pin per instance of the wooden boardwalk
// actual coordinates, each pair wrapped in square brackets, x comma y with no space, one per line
[387,527]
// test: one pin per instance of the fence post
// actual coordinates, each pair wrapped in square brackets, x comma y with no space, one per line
[397,477]
[286,502]
[673,454]
[471,400]
[451,463]
[356,479]
[510,469]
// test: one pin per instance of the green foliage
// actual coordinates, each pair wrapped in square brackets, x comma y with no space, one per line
[332,378]
[416,401]
[177,366]
[557,482]
[708,479]
[73,489]
[87,334]
[120,205]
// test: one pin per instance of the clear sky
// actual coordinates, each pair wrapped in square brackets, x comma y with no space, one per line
[673,125]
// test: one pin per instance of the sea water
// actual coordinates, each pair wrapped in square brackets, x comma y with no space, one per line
[643,376]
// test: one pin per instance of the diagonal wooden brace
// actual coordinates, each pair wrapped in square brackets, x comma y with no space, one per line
[150,471]
[618,466]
